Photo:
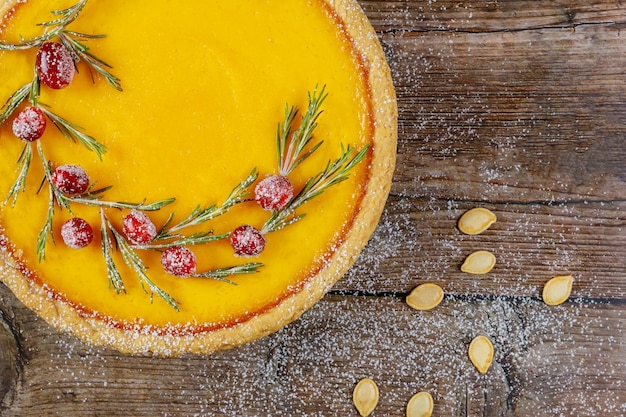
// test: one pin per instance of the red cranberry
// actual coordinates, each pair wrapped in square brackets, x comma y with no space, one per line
[138,228]
[247,241]
[179,261]
[29,124]
[55,66]
[70,179]
[273,192]
[76,233]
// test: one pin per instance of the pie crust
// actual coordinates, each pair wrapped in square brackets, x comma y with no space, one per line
[165,341]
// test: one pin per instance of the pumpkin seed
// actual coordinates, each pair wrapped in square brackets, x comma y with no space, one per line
[476,221]
[479,262]
[425,296]
[365,396]
[481,353]
[420,405]
[557,290]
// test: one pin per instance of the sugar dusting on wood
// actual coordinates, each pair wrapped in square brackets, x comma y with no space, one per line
[311,366]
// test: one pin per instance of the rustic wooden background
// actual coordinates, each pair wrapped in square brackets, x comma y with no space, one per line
[517,106]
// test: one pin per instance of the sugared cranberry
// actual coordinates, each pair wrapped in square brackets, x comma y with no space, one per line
[29,124]
[247,241]
[76,233]
[70,179]
[273,192]
[179,261]
[138,228]
[55,66]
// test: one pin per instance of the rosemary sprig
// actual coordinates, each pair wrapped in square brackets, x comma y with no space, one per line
[71,41]
[89,199]
[113,274]
[53,28]
[221,273]
[290,143]
[35,88]
[23,165]
[46,230]
[74,133]
[199,238]
[54,196]
[134,261]
[200,215]
[335,172]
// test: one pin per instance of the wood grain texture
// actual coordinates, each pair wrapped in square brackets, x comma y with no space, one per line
[418,240]
[547,358]
[517,106]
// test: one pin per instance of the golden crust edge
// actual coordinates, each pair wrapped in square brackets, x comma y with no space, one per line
[6,5]
[94,331]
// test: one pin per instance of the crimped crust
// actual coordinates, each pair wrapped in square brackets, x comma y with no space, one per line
[143,340]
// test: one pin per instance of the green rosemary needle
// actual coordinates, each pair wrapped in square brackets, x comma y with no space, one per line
[71,41]
[75,133]
[46,230]
[199,238]
[221,273]
[113,274]
[23,162]
[290,143]
[88,200]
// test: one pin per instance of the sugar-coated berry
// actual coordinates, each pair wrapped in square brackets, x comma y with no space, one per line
[179,261]
[29,124]
[247,241]
[273,192]
[76,233]
[70,179]
[138,228]
[55,66]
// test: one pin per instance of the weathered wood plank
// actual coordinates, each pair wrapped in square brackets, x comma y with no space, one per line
[546,361]
[9,362]
[549,360]
[488,15]
[523,116]
[418,241]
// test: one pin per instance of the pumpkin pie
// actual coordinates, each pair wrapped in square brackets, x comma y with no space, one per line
[187,117]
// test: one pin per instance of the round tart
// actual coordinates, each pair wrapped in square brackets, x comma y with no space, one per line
[172,135]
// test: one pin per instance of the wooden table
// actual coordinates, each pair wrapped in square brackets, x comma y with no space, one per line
[516,106]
